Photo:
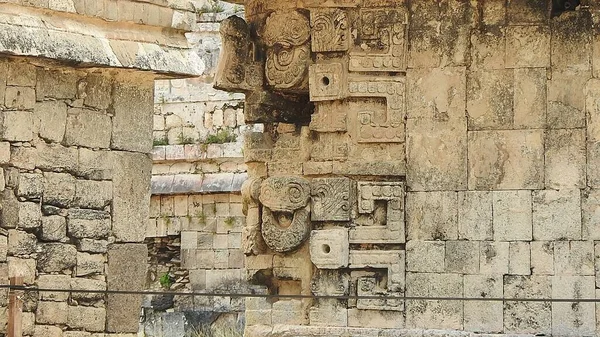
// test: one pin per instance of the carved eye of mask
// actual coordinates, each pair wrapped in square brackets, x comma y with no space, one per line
[285,194]
[289,27]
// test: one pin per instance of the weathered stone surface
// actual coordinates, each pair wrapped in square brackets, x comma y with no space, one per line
[89,264]
[88,128]
[22,267]
[432,216]
[425,256]
[53,313]
[79,283]
[98,91]
[55,257]
[59,189]
[512,215]
[51,117]
[92,194]
[557,215]
[519,258]
[490,99]
[86,318]
[483,316]
[126,271]
[462,257]
[54,228]
[475,215]
[527,317]
[329,248]
[530,98]
[95,165]
[565,159]
[487,48]
[15,214]
[433,313]
[21,243]
[47,331]
[494,257]
[575,318]
[54,282]
[566,103]
[574,258]
[86,223]
[92,246]
[498,159]
[30,185]
[16,126]
[3,248]
[132,123]
[527,46]
[542,257]
[131,196]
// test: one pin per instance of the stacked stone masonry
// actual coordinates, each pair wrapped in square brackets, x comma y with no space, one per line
[449,149]
[74,184]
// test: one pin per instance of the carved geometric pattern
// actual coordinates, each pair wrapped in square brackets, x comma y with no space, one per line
[326,81]
[329,248]
[393,194]
[382,36]
[331,199]
[329,116]
[330,30]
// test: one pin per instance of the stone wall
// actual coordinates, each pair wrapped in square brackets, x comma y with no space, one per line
[449,149]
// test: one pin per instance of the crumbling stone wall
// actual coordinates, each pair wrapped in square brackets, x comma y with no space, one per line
[419,148]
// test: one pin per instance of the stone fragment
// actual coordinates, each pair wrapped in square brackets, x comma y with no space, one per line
[432,216]
[53,313]
[55,257]
[425,256]
[89,264]
[557,215]
[475,215]
[59,189]
[126,271]
[462,257]
[21,243]
[434,314]
[52,119]
[92,194]
[54,228]
[132,124]
[62,282]
[573,318]
[88,128]
[519,258]
[565,159]
[16,126]
[86,318]
[329,248]
[510,159]
[493,257]
[512,215]
[527,47]
[483,316]
[573,258]
[490,99]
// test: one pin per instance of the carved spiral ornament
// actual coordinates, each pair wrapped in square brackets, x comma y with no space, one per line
[285,194]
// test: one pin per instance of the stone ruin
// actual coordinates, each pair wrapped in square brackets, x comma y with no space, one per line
[423,149]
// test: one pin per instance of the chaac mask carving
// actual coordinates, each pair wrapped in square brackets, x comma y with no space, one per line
[272,70]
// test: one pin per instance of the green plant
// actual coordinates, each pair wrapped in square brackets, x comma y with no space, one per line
[165,280]
[221,137]
[160,141]
[238,9]
[230,221]
[183,139]
[201,217]
[214,6]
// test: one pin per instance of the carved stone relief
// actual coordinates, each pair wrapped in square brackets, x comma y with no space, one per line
[330,30]
[331,199]
[252,243]
[392,193]
[329,248]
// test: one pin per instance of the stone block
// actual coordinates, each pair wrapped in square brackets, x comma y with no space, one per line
[3,248]
[30,185]
[574,258]
[527,47]
[557,215]
[87,223]
[54,228]
[52,157]
[87,284]
[92,246]
[95,165]
[434,314]
[198,279]
[15,214]
[590,206]
[475,215]
[19,98]
[573,318]
[490,96]
[51,117]
[126,271]
[131,196]
[519,258]
[4,152]
[530,98]
[329,248]
[432,215]
[527,12]
[133,107]
[98,91]
[16,126]
[527,317]
[370,319]
[89,264]
[566,103]
[59,84]
[565,159]
[56,257]
[568,50]
[425,256]
[28,323]
[86,318]
[287,312]
[494,257]
[512,159]
[53,313]
[92,194]
[54,282]
[512,215]
[542,257]
[483,316]
[59,189]
[21,243]
[47,331]
[462,257]
[88,128]
[22,267]
[487,49]
[21,74]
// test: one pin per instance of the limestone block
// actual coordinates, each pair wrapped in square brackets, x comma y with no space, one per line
[53,313]
[85,223]
[530,98]
[512,215]
[571,50]
[287,312]
[92,194]
[59,189]
[131,196]
[25,215]
[78,283]
[527,46]
[92,246]
[494,257]
[132,123]
[425,256]
[590,205]
[98,91]
[574,318]
[436,94]
[328,315]
[22,267]
[47,331]
[574,258]
[3,248]
[28,323]
[462,257]
[490,99]
[374,319]
[52,119]
[528,12]
[2,180]
[89,264]
[566,103]
[95,165]
[542,257]
[126,271]
[331,199]
[432,215]
[53,282]
[214,278]
[21,74]
[16,126]
[30,185]
[87,318]
[88,128]
[506,159]
[21,243]
[57,84]
[55,257]
[80,334]
[519,258]
[527,317]
[565,159]
[475,215]
[432,314]
[54,157]
[483,316]
[487,49]
[22,98]
[329,248]
[556,215]
[4,152]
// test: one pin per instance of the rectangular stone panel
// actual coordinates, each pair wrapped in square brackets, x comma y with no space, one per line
[483,316]
[527,46]
[530,98]
[566,103]
[565,159]
[432,216]
[490,99]
[573,318]
[512,215]
[475,215]
[557,215]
